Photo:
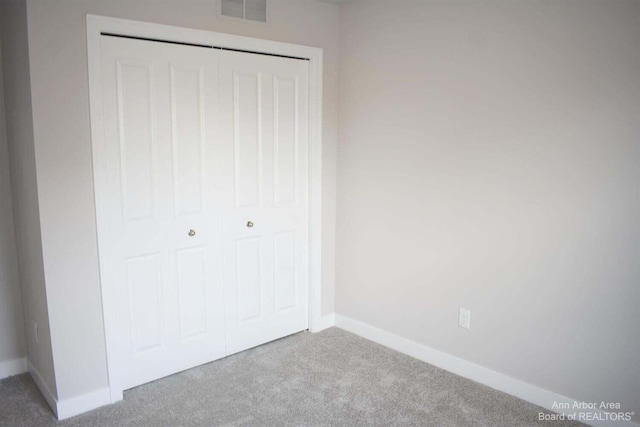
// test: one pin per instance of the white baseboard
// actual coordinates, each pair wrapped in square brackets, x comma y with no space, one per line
[472,371]
[9,368]
[326,322]
[44,390]
[68,408]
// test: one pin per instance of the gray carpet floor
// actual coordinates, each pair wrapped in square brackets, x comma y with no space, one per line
[332,378]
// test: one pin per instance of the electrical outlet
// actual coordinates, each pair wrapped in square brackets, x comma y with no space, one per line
[464,318]
[35,332]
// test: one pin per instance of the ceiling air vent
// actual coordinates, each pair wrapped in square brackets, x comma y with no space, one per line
[252,10]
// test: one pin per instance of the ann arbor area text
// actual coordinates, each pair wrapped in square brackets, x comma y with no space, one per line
[587,405]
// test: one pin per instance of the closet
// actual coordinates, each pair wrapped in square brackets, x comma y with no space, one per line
[202,199]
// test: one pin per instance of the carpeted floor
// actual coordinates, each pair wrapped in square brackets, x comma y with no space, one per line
[332,378]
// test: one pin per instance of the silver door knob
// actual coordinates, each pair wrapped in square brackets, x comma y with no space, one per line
[249,224]
[192,233]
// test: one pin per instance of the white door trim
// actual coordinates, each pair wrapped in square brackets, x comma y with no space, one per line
[100,24]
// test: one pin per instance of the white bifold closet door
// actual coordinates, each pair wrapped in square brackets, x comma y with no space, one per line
[263,105]
[202,190]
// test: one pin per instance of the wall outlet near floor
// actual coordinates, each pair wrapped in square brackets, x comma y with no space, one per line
[464,318]
[35,332]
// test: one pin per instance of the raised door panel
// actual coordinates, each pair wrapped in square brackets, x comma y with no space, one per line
[247,141]
[285,143]
[192,292]
[144,282]
[249,279]
[188,139]
[284,258]
[135,117]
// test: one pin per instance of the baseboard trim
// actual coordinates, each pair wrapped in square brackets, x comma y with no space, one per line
[327,321]
[68,408]
[9,368]
[501,382]
[49,397]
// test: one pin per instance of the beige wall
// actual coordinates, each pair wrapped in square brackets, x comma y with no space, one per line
[57,50]
[12,344]
[13,27]
[489,159]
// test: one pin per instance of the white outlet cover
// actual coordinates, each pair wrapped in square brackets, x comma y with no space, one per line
[464,318]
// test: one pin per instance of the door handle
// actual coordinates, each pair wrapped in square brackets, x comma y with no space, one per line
[249,224]
[192,233]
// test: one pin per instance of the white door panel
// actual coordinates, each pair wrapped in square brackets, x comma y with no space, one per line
[284,270]
[250,283]
[166,301]
[247,141]
[197,258]
[264,113]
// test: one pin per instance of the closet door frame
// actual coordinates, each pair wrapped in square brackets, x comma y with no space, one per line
[98,25]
